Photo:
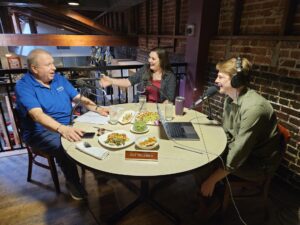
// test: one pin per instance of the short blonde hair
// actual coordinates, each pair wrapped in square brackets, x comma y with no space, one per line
[229,66]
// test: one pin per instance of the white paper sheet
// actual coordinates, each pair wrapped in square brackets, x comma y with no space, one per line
[92,117]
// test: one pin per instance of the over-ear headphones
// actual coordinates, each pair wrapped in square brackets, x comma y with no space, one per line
[239,79]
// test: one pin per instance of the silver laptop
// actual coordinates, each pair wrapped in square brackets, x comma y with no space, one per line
[178,130]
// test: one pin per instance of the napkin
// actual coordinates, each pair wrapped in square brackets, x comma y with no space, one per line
[96,152]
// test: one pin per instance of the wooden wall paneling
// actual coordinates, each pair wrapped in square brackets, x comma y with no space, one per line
[176,22]
[237,13]
[6,21]
[287,18]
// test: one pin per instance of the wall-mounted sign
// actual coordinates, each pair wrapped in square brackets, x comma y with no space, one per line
[14,62]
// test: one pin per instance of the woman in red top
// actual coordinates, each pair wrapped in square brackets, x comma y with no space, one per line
[160,79]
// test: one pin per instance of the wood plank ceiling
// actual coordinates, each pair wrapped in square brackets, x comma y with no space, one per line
[81,20]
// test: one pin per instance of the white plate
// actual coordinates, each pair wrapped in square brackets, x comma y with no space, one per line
[151,122]
[130,136]
[126,113]
[139,132]
[144,138]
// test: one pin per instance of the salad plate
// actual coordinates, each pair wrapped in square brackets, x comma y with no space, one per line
[117,139]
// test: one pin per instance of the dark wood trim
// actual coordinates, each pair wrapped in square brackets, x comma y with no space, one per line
[176,22]
[159,16]
[136,17]
[288,15]
[32,26]
[177,17]
[163,36]
[65,40]
[237,14]
[6,21]
[258,37]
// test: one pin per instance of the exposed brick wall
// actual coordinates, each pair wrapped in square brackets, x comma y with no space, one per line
[226,17]
[153,18]
[175,47]
[276,69]
[183,16]
[168,15]
[261,17]
[142,18]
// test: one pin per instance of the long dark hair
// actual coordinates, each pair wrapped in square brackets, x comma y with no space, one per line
[163,61]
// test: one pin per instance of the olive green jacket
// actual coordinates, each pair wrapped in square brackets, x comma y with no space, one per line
[253,139]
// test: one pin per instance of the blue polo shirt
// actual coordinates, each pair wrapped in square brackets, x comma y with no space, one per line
[55,101]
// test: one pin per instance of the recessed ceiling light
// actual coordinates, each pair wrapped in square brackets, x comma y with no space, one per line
[73,3]
[8,55]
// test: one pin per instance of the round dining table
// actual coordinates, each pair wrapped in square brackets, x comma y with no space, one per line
[174,157]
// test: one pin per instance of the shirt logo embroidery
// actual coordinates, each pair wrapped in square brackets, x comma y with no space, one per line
[60,89]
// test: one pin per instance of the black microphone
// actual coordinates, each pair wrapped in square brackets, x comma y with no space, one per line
[210,92]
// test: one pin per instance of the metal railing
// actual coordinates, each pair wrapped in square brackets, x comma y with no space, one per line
[9,132]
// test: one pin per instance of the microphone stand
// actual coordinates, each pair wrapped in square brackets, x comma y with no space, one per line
[82,90]
[209,110]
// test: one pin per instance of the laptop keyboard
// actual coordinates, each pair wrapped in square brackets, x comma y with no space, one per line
[175,130]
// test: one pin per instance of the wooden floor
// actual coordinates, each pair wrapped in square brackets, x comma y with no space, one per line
[35,203]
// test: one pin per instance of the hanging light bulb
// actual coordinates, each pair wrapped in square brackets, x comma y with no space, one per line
[73,3]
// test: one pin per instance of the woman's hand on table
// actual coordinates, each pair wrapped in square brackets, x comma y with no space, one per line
[70,133]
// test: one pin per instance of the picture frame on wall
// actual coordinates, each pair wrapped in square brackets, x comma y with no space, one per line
[14,62]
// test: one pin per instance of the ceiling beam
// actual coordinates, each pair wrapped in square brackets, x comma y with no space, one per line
[77,17]
[52,21]
[65,40]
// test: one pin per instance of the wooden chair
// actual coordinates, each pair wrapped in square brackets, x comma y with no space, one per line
[33,156]
[261,188]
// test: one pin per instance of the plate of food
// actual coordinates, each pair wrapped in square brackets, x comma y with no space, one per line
[127,117]
[117,139]
[139,127]
[149,118]
[147,142]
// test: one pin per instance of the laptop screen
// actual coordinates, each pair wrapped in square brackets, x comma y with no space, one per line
[177,130]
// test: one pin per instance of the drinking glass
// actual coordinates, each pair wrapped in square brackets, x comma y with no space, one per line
[142,102]
[113,114]
[168,111]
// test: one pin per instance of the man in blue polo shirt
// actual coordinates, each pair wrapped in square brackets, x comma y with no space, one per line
[44,103]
